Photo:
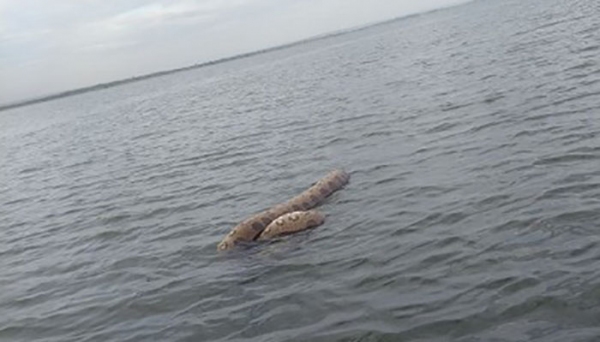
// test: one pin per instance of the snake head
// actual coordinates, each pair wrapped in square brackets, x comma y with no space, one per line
[226,244]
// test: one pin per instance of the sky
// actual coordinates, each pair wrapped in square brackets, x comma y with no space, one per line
[48,46]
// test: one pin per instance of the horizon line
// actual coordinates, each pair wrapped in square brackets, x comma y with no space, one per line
[243,55]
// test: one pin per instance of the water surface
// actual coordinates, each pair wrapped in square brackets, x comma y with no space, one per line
[472,215]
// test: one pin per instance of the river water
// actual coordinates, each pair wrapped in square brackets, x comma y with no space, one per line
[473,212]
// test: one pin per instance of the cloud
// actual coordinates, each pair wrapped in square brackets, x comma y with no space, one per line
[157,14]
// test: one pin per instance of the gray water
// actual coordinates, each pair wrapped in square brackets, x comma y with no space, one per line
[473,211]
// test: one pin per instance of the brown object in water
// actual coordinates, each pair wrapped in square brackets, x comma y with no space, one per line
[292,223]
[251,228]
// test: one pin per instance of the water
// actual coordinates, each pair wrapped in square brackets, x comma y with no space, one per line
[472,215]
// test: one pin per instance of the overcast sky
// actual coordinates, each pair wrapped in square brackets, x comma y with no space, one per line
[48,46]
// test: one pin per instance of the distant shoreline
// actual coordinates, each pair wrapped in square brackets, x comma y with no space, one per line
[106,85]
[83,90]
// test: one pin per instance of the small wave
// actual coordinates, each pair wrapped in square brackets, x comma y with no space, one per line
[442,127]
[566,159]
[569,191]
